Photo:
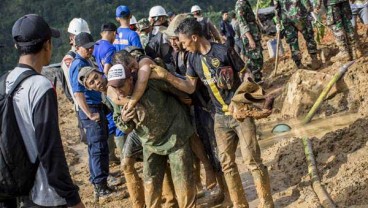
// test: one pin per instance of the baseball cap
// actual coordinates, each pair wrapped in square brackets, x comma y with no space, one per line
[122,11]
[84,40]
[117,75]
[108,27]
[84,73]
[32,29]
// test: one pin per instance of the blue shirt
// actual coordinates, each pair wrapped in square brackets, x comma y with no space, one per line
[92,97]
[103,53]
[126,37]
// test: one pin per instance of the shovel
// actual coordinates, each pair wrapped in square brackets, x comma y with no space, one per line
[277,52]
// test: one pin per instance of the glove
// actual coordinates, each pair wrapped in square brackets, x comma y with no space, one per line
[278,27]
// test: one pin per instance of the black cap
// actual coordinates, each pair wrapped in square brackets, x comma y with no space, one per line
[84,40]
[32,29]
[109,27]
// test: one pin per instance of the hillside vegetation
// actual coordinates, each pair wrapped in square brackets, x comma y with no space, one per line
[59,13]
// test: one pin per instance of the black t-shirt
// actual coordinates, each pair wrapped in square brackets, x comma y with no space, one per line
[219,56]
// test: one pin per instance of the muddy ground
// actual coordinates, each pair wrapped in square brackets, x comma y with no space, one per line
[338,134]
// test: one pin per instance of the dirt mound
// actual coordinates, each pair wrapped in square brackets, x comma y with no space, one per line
[341,164]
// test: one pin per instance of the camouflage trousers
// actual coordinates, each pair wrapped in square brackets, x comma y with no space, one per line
[181,165]
[255,56]
[291,30]
[338,18]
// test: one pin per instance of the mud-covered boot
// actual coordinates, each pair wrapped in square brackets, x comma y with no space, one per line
[236,191]
[315,63]
[355,52]
[263,187]
[342,56]
[168,191]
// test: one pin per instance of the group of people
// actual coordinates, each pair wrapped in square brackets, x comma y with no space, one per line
[171,91]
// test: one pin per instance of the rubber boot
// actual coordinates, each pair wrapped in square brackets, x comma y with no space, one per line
[112,157]
[316,63]
[263,187]
[236,191]
[168,191]
[355,52]
[341,42]
[134,183]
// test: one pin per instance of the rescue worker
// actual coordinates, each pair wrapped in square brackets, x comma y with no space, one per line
[227,30]
[293,16]
[221,69]
[204,145]
[144,29]
[209,29]
[251,36]
[163,138]
[92,116]
[125,36]
[338,16]
[76,26]
[158,45]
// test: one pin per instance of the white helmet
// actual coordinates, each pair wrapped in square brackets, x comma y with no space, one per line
[78,25]
[157,11]
[133,20]
[195,8]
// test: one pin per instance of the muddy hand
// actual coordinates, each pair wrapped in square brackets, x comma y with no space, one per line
[158,72]
[127,115]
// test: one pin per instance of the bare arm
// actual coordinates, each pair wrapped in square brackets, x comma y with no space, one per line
[188,85]
[144,73]
[81,100]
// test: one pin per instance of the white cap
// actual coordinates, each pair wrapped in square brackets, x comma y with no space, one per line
[133,20]
[116,75]
[157,11]
[195,8]
[78,25]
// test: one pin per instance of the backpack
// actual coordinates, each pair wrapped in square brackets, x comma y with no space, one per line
[17,172]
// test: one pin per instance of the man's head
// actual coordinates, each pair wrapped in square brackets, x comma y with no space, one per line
[232,15]
[84,44]
[76,26]
[32,35]
[133,23]
[171,15]
[108,31]
[92,79]
[225,15]
[196,11]
[170,32]
[121,80]
[126,59]
[158,15]
[190,34]
[123,14]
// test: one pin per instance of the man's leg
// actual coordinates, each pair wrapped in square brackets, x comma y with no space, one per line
[246,131]
[154,167]
[168,191]
[308,34]
[291,35]
[181,165]
[134,183]
[198,149]
[334,21]
[227,142]
[98,151]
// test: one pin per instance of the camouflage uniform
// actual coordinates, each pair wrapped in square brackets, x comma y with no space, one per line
[143,24]
[293,14]
[144,39]
[247,23]
[338,16]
